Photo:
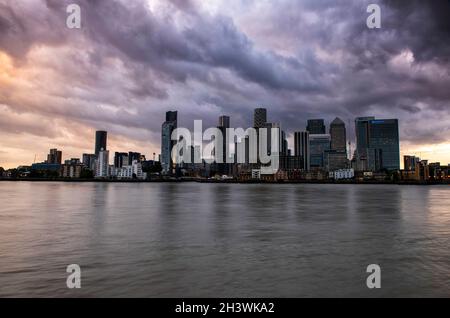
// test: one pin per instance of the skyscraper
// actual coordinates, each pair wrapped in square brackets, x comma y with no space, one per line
[384,145]
[316,127]
[224,123]
[302,147]
[319,144]
[102,164]
[362,142]
[336,157]
[100,140]
[378,144]
[260,118]
[166,142]
[338,135]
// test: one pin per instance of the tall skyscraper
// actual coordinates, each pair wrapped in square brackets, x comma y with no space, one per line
[319,144]
[316,127]
[171,116]
[338,135]
[378,144]
[302,147]
[336,157]
[102,164]
[362,141]
[224,123]
[54,157]
[384,145]
[100,140]
[260,118]
[166,142]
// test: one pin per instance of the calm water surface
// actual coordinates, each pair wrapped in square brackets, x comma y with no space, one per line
[223,240]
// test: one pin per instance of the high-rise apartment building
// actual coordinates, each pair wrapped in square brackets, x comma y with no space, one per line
[166,141]
[100,140]
[102,164]
[54,156]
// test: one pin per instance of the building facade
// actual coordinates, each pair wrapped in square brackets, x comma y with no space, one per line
[316,127]
[167,143]
[319,144]
[100,141]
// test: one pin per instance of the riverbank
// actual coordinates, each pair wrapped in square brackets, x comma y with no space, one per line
[227,181]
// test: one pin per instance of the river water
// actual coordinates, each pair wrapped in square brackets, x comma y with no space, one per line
[223,240]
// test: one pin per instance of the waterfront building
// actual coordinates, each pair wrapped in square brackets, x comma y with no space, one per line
[318,145]
[167,143]
[133,156]
[120,159]
[100,141]
[224,167]
[54,156]
[102,164]
[302,148]
[342,174]
[133,171]
[71,169]
[338,136]
[378,144]
[88,161]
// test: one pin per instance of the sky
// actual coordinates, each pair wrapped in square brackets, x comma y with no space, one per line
[131,61]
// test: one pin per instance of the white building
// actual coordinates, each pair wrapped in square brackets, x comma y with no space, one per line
[102,164]
[128,172]
[256,174]
[342,174]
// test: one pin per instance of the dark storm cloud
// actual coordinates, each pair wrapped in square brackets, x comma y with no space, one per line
[300,59]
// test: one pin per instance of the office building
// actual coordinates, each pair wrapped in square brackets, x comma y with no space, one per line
[335,160]
[100,141]
[316,127]
[224,123]
[167,143]
[362,142]
[383,145]
[318,145]
[260,118]
[302,148]
[338,135]
[336,157]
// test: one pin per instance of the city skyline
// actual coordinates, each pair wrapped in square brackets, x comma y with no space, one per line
[337,143]
[58,87]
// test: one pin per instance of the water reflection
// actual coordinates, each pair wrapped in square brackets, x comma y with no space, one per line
[230,240]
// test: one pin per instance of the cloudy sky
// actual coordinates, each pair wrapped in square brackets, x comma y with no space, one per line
[133,60]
